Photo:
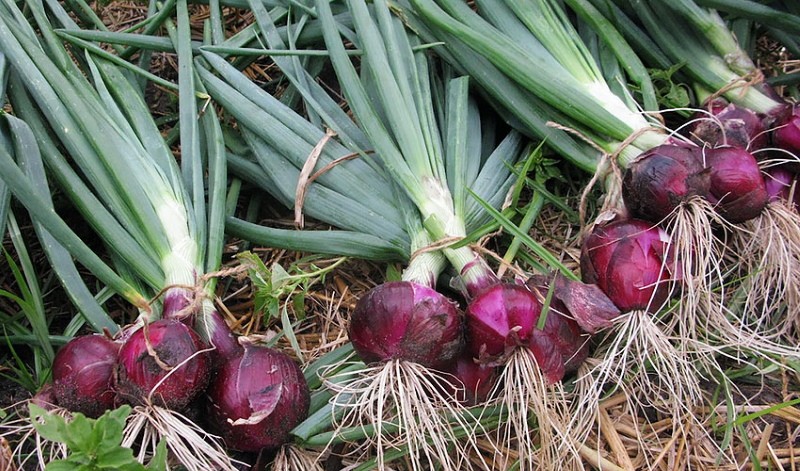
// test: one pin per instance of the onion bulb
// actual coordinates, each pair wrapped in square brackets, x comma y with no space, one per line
[257,398]
[736,184]
[82,374]
[631,261]
[163,362]
[662,178]
[406,321]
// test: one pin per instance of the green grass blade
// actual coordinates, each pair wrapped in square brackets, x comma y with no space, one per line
[100,52]
[28,283]
[527,240]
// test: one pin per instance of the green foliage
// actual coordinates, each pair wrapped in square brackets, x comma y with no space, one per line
[279,291]
[94,444]
[30,320]
[670,94]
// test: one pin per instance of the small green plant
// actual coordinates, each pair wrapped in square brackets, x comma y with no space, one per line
[276,289]
[670,93]
[94,444]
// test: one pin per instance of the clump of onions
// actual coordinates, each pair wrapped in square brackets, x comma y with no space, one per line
[632,261]
[164,363]
[769,254]
[82,375]
[257,398]
[405,331]
[671,185]
[730,125]
[503,329]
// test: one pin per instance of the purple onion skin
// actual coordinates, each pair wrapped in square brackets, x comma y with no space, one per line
[82,375]
[661,179]
[264,390]
[734,126]
[402,320]
[786,134]
[500,319]
[737,187]
[586,303]
[572,305]
[779,182]
[216,333]
[503,318]
[630,262]
[138,371]
[176,300]
[473,381]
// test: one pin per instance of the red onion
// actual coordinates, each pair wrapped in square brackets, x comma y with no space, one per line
[631,262]
[503,318]
[732,126]
[737,186]
[787,134]
[782,184]
[162,361]
[473,381]
[257,398]
[408,321]
[661,179]
[82,373]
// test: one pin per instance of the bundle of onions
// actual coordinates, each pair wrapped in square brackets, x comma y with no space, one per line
[529,44]
[431,155]
[161,224]
[390,99]
[383,223]
[767,244]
